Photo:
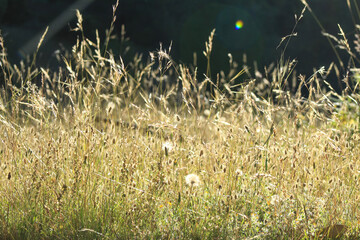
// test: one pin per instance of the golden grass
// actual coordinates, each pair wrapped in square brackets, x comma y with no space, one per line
[106,149]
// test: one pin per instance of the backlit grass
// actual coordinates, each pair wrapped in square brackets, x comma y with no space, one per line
[152,149]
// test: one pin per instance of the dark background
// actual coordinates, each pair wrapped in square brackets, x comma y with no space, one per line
[187,24]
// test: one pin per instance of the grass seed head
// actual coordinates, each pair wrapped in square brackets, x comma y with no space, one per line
[110,107]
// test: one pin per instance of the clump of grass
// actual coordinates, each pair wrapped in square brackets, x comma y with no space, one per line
[106,149]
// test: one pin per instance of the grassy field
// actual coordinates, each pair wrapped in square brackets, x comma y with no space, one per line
[149,149]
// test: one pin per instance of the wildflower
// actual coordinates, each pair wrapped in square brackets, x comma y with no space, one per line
[192,180]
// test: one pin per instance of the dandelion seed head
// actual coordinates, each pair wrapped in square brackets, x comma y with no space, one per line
[207,112]
[275,199]
[167,146]
[192,180]
[238,172]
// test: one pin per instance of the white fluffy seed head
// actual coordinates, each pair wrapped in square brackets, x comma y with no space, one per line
[192,180]
[167,146]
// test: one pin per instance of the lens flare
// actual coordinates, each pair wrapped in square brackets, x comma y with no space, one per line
[239,24]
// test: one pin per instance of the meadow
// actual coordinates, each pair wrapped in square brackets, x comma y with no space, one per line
[152,149]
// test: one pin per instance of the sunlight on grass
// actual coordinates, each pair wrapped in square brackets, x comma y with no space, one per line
[152,149]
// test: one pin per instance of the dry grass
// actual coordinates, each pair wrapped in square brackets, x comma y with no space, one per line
[107,149]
